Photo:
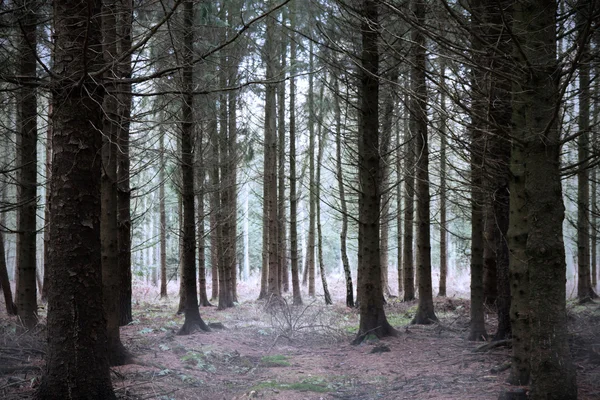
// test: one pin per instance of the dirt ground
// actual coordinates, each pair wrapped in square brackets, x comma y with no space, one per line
[297,353]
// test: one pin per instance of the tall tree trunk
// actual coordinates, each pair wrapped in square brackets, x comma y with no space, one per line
[296,294]
[425,313]
[270,173]
[232,161]
[125,17]
[215,204]
[372,313]
[117,354]
[192,321]
[47,223]
[76,361]
[500,109]
[399,195]
[443,186]
[281,214]
[26,293]
[386,138]
[342,195]
[163,218]
[536,95]
[322,143]
[585,291]
[310,250]
[408,271]
[200,178]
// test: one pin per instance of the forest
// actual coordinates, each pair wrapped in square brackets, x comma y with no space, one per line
[299,199]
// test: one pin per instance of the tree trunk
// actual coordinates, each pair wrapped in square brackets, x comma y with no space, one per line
[310,251]
[372,313]
[281,212]
[296,294]
[322,143]
[500,109]
[117,354]
[163,218]
[408,271]
[425,313]
[192,321]
[490,272]
[11,308]
[342,196]
[585,291]
[443,187]
[47,223]
[26,293]
[76,361]
[125,16]
[200,178]
[535,98]
[270,173]
[399,187]
[386,138]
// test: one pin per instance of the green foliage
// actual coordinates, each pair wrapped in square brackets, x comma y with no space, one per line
[200,359]
[276,360]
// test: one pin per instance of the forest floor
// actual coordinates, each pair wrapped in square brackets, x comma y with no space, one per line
[297,353]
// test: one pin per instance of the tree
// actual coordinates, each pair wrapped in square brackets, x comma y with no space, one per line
[11,308]
[296,294]
[372,313]
[163,217]
[77,362]
[585,290]
[476,128]
[342,195]
[270,172]
[536,96]
[443,185]
[124,69]
[108,221]
[26,294]
[193,321]
[418,115]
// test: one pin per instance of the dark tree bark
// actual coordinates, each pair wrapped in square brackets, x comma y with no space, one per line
[124,21]
[77,362]
[443,187]
[342,195]
[270,173]
[585,290]
[408,271]
[26,293]
[310,250]
[193,321]
[47,223]
[281,201]
[296,294]
[163,217]
[386,138]
[536,96]
[490,271]
[425,313]
[200,177]
[117,354]
[372,313]
[500,109]
[11,308]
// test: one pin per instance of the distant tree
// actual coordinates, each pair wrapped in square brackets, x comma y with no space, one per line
[77,361]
